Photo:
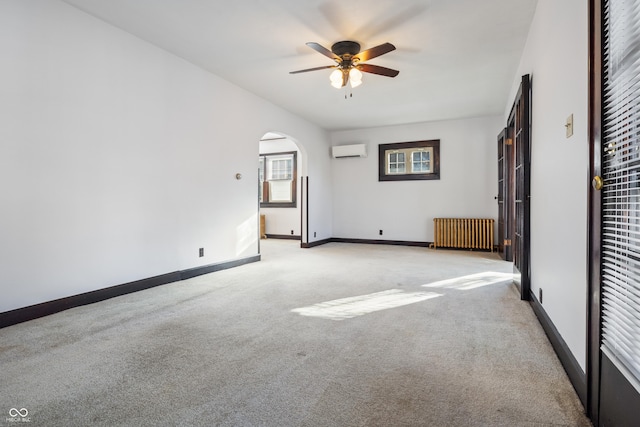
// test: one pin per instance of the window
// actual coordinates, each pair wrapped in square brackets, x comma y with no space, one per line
[620,197]
[277,174]
[281,168]
[396,163]
[423,158]
[420,161]
[261,177]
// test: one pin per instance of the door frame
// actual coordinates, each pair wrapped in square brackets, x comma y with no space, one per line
[610,393]
[519,131]
[594,200]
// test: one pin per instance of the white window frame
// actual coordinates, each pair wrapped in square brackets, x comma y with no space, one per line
[421,161]
[397,163]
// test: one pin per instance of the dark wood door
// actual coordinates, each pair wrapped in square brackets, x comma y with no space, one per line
[613,365]
[505,201]
[519,129]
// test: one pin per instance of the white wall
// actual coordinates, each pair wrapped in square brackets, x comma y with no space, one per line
[115,158]
[556,57]
[404,210]
[283,220]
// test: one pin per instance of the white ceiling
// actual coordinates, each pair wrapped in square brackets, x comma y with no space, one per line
[457,58]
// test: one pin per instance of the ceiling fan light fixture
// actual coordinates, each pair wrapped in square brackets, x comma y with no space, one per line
[336,78]
[355,77]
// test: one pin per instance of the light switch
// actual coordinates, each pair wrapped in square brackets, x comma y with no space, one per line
[569,126]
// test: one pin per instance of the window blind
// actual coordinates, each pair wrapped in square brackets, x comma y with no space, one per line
[620,248]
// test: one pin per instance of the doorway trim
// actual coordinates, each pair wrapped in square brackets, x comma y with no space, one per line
[594,201]
[519,130]
[302,203]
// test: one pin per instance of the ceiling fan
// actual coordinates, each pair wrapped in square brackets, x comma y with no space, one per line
[349,62]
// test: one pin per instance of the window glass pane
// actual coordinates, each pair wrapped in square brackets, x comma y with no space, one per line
[261,177]
[261,169]
[280,191]
[420,162]
[620,280]
[280,168]
[396,163]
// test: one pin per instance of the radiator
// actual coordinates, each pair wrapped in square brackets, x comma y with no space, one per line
[466,233]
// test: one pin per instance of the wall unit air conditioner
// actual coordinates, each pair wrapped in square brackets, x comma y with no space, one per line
[353,150]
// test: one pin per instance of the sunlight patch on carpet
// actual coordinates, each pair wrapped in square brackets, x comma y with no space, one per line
[473,281]
[347,308]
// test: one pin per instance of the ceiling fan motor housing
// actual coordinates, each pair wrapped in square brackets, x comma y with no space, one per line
[345,48]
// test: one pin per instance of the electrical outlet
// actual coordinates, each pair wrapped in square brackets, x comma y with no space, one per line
[540,295]
[314,234]
[201,252]
[292,232]
[381,232]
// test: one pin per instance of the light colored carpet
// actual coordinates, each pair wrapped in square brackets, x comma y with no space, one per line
[337,335]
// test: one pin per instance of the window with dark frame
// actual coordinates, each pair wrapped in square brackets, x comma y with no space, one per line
[277,174]
[407,161]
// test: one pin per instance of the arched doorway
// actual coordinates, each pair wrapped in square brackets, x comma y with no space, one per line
[281,192]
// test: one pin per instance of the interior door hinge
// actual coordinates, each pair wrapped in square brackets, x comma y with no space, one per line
[507,242]
[508,141]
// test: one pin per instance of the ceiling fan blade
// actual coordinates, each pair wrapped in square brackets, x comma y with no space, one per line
[323,50]
[313,69]
[375,69]
[375,52]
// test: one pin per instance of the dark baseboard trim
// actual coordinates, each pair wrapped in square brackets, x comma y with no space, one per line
[316,243]
[32,312]
[364,241]
[380,242]
[212,268]
[284,236]
[571,366]
[384,242]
